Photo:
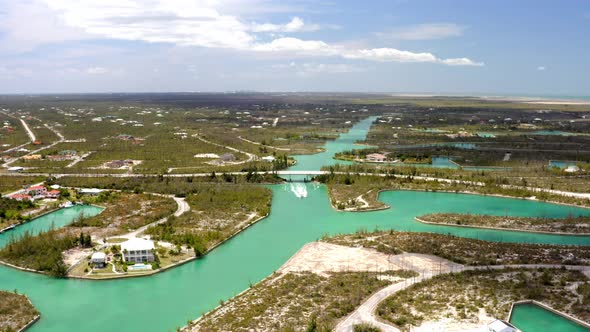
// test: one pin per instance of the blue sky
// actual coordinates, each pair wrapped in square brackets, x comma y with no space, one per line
[495,47]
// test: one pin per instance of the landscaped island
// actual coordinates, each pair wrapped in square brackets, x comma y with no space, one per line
[16,311]
[573,225]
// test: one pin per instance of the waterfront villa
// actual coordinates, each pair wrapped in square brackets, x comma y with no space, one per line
[98,259]
[37,191]
[21,197]
[138,250]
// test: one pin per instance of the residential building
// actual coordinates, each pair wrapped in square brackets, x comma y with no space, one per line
[21,197]
[376,157]
[53,194]
[37,191]
[33,157]
[98,259]
[138,250]
[90,191]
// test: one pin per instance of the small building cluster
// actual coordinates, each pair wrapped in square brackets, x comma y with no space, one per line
[36,192]
[376,158]
[120,163]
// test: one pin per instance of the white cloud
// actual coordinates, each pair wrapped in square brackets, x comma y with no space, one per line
[541,68]
[203,23]
[295,25]
[394,55]
[461,62]
[96,71]
[425,31]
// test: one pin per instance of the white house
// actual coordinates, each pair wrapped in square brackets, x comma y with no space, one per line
[501,326]
[270,159]
[98,259]
[138,250]
[90,191]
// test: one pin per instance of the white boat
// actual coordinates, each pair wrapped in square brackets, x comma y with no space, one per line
[67,204]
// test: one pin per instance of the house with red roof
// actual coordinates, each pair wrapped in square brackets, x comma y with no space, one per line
[21,197]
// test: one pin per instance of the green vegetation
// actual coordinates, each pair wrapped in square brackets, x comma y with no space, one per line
[12,183]
[217,213]
[575,225]
[43,252]
[465,250]
[461,296]
[365,328]
[294,302]
[16,311]
[179,186]
[10,211]
[125,212]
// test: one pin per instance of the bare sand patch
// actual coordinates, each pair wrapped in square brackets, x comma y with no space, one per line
[73,256]
[321,257]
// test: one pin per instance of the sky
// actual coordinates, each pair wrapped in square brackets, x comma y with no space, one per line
[484,47]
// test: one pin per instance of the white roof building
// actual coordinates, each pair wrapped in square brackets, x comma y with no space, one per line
[98,257]
[270,159]
[90,191]
[136,244]
[16,169]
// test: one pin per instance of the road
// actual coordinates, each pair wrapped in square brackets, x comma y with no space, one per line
[251,156]
[29,131]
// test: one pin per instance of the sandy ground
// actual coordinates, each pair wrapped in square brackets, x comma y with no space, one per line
[73,256]
[320,257]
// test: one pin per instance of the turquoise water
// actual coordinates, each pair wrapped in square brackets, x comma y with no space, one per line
[167,300]
[345,142]
[532,318]
[552,133]
[561,163]
[56,219]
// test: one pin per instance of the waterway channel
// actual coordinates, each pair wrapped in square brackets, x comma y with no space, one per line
[166,301]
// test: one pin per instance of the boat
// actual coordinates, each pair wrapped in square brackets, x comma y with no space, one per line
[67,204]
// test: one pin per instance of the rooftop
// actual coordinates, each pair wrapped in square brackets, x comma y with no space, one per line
[137,244]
